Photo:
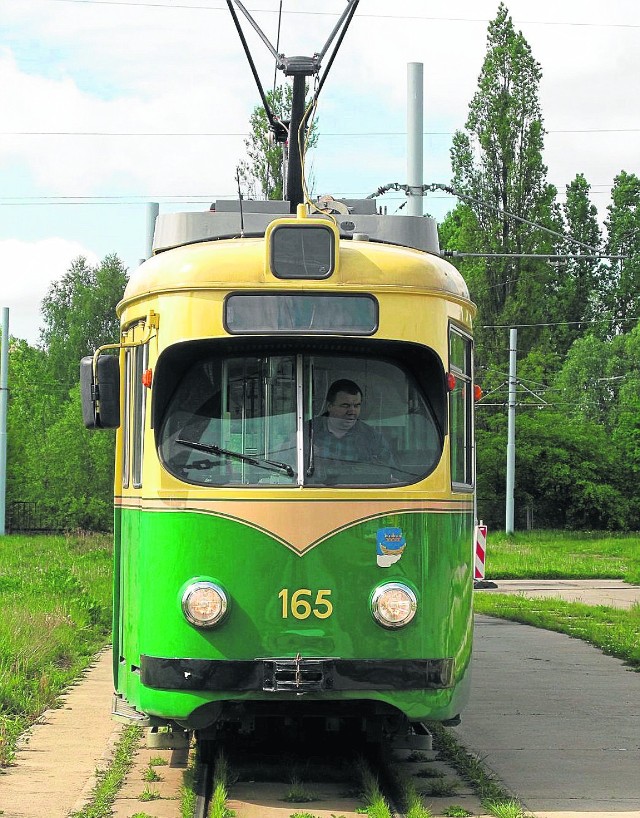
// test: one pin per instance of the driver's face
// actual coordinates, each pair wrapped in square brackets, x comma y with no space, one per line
[345,406]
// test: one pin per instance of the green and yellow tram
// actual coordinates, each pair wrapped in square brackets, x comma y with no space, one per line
[294,489]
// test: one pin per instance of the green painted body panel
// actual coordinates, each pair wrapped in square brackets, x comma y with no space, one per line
[158,553]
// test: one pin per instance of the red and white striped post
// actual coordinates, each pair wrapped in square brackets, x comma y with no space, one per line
[480,551]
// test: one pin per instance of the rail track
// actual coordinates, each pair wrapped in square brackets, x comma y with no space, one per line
[320,775]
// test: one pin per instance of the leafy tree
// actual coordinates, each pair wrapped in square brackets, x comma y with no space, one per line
[590,378]
[79,313]
[579,287]
[263,170]
[78,480]
[566,473]
[52,460]
[497,165]
[623,227]
[31,406]
[626,435]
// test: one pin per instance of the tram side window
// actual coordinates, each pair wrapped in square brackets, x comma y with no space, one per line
[461,408]
[139,403]
[126,421]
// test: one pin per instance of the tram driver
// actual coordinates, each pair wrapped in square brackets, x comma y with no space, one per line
[344,446]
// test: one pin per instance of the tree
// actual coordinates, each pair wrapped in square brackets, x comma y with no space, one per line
[622,297]
[79,314]
[497,166]
[263,171]
[58,464]
[579,294]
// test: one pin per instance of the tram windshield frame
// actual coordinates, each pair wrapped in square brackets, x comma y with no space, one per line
[249,416]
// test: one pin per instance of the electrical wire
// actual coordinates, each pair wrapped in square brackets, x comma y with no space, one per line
[145,4]
[410,190]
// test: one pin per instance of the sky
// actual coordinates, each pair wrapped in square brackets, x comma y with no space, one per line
[110,104]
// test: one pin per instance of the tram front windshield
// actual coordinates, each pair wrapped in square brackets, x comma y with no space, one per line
[274,420]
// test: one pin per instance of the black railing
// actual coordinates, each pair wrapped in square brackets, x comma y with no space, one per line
[29,516]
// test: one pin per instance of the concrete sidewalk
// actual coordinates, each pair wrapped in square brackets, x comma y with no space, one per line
[612,592]
[50,776]
[556,720]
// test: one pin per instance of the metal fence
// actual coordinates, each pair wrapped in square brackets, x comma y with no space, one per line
[29,516]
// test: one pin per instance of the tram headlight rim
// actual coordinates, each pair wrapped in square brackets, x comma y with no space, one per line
[189,597]
[378,597]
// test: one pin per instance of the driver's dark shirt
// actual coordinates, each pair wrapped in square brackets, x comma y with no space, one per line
[361,444]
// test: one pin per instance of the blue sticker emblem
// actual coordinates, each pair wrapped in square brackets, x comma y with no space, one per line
[390,544]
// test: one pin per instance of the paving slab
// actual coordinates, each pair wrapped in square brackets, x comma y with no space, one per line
[50,778]
[556,720]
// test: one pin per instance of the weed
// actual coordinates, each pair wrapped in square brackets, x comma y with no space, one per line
[376,806]
[417,755]
[187,790]
[504,809]
[151,775]
[441,788]
[158,761]
[429,773]
[219,807]
[454,811]
[471,769]
[110,781]
[297,793]
[149,795]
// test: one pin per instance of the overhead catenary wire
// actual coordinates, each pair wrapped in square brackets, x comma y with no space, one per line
[414,191]
[371,15]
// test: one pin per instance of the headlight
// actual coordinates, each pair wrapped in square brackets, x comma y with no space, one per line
[204,604]
[393,605]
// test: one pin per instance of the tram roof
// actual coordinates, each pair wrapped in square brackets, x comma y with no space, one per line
[184,244]
[354,217]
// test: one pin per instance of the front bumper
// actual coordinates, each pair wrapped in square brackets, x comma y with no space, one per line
[298,675]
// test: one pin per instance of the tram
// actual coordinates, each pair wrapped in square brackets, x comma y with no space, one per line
[264,566]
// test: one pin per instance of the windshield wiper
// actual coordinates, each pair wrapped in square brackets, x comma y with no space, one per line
[261,463]
[311,467]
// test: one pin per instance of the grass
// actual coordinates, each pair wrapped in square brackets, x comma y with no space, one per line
[151,775]
[221,782]
[149,794]
[563,555]
[188,789]
[567,555]
[58,588]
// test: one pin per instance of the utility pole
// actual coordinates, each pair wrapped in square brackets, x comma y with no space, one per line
[415,170]
[511,433]
[4,400]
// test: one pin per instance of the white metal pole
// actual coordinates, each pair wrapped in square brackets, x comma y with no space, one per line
[415,105]
[511,431]
[4,400]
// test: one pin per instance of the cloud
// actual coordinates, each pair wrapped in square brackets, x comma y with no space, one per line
[28,269]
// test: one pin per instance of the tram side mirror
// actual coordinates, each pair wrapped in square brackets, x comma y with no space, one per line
[101,399]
